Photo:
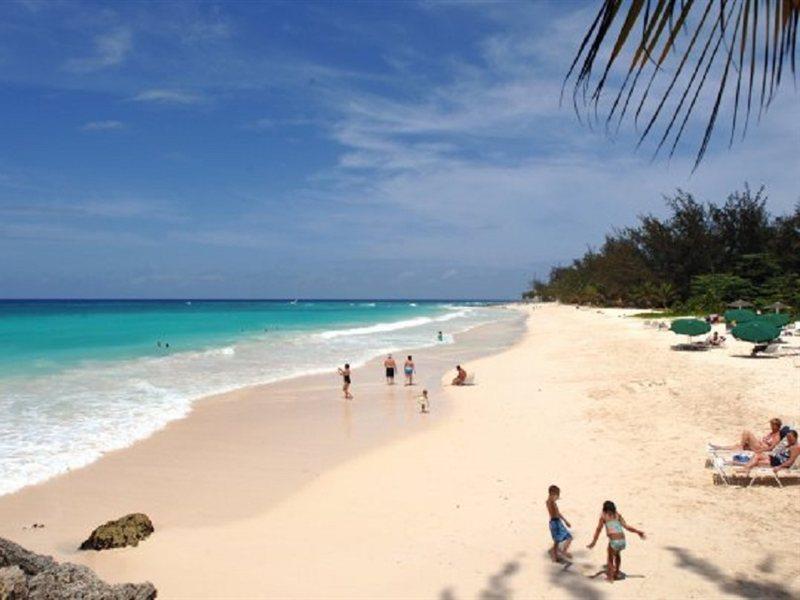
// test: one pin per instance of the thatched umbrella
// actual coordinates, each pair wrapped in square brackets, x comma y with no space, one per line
[778,306]
[740,304]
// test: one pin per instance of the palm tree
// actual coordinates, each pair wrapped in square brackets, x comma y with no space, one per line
[744,45]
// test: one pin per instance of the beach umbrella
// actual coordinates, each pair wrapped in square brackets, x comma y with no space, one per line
[778,306]
[757,331]
[777,319]
[689,327]
[740,315]
[739,304]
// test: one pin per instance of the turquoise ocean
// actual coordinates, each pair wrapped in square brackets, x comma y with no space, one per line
[80,378]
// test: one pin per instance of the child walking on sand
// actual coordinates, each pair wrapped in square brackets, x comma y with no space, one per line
[423,402]
[614,524]
[562,538]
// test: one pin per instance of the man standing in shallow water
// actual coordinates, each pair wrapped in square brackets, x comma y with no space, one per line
[390,367]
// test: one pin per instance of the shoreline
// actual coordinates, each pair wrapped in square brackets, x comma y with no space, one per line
[178,405]
[282,410]
[586,399]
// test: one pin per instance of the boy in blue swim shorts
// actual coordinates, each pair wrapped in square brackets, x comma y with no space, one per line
[562,538]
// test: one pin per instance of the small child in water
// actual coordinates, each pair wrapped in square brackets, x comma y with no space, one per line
[562,538]
[614,524]
[423,402]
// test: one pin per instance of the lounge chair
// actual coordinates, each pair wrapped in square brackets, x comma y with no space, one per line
[720,465]
[723,459]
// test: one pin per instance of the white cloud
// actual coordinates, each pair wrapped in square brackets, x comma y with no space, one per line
[489,157]
[165,96]
[103,126]
[110,49]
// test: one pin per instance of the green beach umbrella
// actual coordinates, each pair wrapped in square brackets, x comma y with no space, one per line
[777,319]
[740,315]
[757,331]
[690,327]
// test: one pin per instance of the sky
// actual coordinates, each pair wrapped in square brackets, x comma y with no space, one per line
[322,150]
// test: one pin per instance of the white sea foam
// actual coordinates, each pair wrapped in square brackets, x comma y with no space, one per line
[392,326]
[54,423]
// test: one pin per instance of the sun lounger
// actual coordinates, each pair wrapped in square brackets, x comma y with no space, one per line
[691,347]
[720,466]
[722,460]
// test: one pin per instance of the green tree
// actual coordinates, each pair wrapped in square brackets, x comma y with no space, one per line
[714,292]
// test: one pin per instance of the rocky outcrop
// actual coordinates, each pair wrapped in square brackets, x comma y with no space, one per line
[13,584]
[25,575]
[126,531]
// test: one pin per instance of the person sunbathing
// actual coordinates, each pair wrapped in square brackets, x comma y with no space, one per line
[783,458]
[715,340]
[749,441]
[461,377]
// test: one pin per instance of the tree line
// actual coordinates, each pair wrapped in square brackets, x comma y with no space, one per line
[698,259]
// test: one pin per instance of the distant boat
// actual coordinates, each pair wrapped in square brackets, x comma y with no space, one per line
[293,302]
[188,303]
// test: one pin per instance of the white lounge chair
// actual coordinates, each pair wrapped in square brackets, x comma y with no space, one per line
[720,462]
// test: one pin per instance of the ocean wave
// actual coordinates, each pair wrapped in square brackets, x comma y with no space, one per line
[391,326]
[104,406]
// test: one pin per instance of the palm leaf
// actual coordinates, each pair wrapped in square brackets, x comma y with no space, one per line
[736,28]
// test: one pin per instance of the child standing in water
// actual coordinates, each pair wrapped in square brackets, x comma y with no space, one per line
[345,373]
[562,538]
[614,524]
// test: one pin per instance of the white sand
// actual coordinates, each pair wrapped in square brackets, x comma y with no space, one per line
[593,402]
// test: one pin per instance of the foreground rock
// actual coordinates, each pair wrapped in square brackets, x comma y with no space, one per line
[28,576]
[126,531]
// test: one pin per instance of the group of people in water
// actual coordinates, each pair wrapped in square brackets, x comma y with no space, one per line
[610,519]
[409,370]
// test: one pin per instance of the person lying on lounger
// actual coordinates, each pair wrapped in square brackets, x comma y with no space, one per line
[783,458]
[749,441]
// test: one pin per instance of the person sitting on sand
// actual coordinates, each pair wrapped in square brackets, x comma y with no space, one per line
[783,458]
[749,441]
[614,524]
[562,538]
[715,339]
[345,373]
[390,365]
[461,376]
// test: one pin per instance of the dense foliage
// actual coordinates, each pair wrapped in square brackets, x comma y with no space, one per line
[700,258]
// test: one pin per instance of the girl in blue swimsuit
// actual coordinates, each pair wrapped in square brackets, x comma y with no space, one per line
[614,524]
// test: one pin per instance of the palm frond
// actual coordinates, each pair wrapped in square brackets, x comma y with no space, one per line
[736,27]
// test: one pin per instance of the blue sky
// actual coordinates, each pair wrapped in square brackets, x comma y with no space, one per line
[320,150]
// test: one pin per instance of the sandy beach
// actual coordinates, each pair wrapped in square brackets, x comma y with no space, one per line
[287,491]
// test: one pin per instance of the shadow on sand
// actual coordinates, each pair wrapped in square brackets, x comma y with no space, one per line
[497,586]
[575,584]
[733,586]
